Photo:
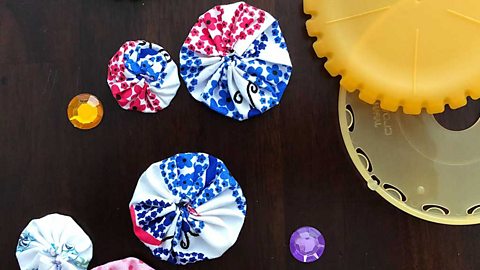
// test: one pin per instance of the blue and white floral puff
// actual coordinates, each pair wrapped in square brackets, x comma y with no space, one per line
[235,60]
[188,208]
[54,242]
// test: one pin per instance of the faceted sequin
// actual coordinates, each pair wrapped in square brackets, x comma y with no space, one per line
[85,111]
[307,244]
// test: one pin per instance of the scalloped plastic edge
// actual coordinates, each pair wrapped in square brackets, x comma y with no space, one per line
[368,94]
[359,167]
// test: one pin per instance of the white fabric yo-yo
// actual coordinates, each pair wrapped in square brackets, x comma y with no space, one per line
[143,77]
[54,242]
[188,208]
[235,60]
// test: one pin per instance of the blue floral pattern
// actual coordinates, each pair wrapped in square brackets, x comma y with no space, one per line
[146,63]
[142,76]
[192,180]
[240,86]
[67,252]
[54,241]
[24,241]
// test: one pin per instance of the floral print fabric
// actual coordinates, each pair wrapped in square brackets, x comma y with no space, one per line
[188,208]
[125,264]
[54,242]
[235,60]
[143,77]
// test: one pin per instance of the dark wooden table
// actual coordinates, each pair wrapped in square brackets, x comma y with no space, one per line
[290,162]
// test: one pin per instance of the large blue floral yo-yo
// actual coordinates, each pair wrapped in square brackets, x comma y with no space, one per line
[235,60]
[188,208]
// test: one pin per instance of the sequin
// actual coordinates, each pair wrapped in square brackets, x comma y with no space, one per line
[85,111]
[307,244]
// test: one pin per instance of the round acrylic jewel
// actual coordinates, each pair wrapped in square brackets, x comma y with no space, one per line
[85,111]
[307,244]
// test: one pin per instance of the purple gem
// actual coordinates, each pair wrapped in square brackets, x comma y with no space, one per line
[307,244]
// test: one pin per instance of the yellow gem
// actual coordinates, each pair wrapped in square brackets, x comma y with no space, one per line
[85,111]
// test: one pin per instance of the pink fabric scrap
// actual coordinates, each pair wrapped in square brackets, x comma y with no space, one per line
[125,264]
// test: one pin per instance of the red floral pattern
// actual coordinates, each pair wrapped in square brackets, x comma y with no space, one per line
[133,94]
[216,35]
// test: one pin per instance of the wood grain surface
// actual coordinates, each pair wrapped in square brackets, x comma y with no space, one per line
[291,162]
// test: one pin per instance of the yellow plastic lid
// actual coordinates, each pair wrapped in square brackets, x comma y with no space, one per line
[413,162]
[404,53]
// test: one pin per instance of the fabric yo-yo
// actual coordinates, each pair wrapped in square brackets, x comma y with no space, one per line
[188,208]
[54,242]
[235,60]
[125,264]
[143,77]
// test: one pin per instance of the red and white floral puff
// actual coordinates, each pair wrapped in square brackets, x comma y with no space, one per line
[215,35]
[235,60]
[143,77]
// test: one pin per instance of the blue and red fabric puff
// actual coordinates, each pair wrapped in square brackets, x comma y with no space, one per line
[143,77]
[188,208]
[235,60]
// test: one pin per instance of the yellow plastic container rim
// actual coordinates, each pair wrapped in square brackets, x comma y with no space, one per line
[414,54]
